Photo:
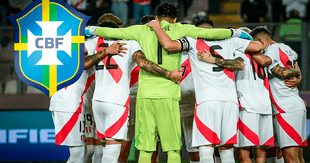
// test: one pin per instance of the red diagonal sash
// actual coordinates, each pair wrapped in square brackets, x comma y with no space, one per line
[116,73]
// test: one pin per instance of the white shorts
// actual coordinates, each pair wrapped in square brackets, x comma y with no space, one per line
[111,120]
[215,122]
[89,126]
[291,129]
[187,128]
[69,128]
[255,129]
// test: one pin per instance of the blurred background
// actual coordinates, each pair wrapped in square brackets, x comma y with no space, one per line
[26,127]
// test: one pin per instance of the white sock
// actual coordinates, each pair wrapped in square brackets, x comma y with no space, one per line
[111,153]
[89,152]
[206,154]
[193,161]
[227,156]
[281,160]
[76,154]
[217,159]
[97,154]
[271,160]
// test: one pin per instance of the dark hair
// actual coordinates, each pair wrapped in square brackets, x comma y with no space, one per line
[146,18]
[107,23]
[202,21]
[259,29]
[110,17]
[294,14]
[167,9]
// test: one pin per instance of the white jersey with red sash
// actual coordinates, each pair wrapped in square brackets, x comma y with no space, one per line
[252,86]
[113,73]
[284,98]
[213,83]
[71,97]
[187,103]
[290,110]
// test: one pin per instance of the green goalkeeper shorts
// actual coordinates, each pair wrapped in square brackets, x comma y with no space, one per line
[158,118]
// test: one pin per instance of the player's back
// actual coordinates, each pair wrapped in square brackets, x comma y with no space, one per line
[187,103]
[113,73]
[252,86]
[213,83]
[284,98]
[70,96]
[160,87]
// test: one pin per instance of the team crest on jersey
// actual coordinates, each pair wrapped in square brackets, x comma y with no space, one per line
[49,45]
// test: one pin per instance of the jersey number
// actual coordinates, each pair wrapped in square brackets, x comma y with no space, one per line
[212,48]
[108,66]
[260,71]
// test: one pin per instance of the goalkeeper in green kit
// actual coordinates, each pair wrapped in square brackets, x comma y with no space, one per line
[157,105]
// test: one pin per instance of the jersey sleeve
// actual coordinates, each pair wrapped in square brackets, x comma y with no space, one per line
[134,46]
[192,42]
[129,33]
[196,32]
[274,58]
[90,45]
[241,44]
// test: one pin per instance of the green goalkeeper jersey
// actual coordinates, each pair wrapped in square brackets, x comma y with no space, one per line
[151,85]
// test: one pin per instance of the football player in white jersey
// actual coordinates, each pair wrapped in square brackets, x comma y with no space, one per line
[288,107]
[111,96]
[216,116]
[255,116]
[67,105]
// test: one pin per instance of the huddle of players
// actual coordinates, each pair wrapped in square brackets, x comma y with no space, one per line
[210,67]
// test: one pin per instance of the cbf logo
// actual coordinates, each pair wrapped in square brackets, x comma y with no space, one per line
[49,45]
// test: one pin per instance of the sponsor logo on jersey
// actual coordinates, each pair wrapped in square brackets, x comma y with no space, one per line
[49,45]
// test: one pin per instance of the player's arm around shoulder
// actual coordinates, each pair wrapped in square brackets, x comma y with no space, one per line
[151,67]
[163,38]
[115,48]
[230,64]
[286,72]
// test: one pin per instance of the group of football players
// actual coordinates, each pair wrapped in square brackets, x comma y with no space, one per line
[226,88]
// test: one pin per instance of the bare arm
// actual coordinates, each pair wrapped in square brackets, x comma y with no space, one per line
[285,72]
[262,59]
[115,48]
[163,38]
[151,67]
[254,46]
[293,82]
[230,64]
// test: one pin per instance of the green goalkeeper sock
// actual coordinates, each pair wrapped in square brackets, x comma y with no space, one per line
[145,157]
[174,157]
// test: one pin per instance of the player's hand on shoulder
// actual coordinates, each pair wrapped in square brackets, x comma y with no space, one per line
[206,56]
[116,48]
[176,76]
[90,30]
[241,34]
[153,23]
